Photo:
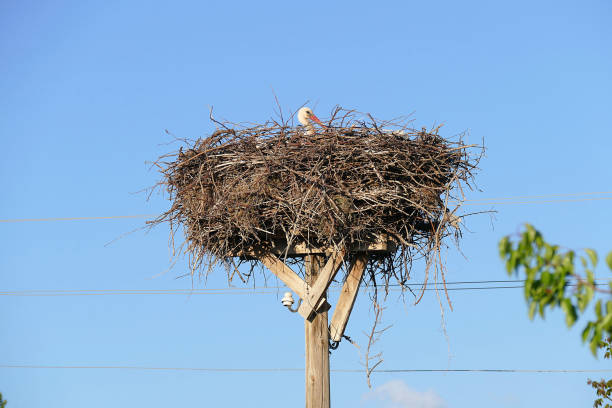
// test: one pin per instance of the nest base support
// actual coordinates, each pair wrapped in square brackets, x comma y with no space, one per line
[286,275]
[347,298]
[315,300]
[313,297]
[314,308]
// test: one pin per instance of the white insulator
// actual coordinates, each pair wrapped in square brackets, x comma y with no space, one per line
[287,300]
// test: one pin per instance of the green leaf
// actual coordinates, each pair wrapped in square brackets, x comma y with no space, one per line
[530,232]
[595,341]
[593,346]
[586,331]
[542,305]
[512,263]
[568,262]
[590,276]
[590,292]
[606,322]
[609,260]
[598,309]
[549,252]
[570,312]
[583,302]
[546,277]
[504,247]
[532,309]
[592,255]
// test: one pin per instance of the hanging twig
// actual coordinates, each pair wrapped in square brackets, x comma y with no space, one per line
[371,361]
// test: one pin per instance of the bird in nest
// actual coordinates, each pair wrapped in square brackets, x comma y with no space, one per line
[306,117]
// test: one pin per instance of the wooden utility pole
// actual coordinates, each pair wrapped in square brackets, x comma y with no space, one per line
[317,344]
[320,266]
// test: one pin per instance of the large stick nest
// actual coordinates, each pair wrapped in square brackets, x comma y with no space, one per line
[353,181]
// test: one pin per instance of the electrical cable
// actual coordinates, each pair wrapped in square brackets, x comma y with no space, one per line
[284,369]
[245,291]
[536,196]
[111,217]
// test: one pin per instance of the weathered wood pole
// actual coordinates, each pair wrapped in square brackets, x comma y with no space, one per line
[317,345]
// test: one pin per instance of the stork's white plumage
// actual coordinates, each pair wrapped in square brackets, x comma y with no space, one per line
[306,117]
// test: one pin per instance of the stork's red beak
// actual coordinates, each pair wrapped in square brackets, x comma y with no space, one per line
[315,119]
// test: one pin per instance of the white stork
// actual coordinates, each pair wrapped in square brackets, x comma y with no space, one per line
[306,117]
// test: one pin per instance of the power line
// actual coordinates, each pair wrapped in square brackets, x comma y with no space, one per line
[536,196]
[257,292]
[511,200]
[111,217]
[227,290]
[273,287]
[248,291]
[287,369]
[539,201]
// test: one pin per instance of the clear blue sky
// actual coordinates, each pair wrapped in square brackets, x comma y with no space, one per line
[87,91]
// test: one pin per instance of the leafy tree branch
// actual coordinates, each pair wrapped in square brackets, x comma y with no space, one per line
[553,278]
[603,387]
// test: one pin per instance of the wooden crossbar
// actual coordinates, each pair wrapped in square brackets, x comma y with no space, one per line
[383,245]
[347,298]
[313,300]
[286,274]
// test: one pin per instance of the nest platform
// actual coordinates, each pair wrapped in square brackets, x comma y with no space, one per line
[357,184]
